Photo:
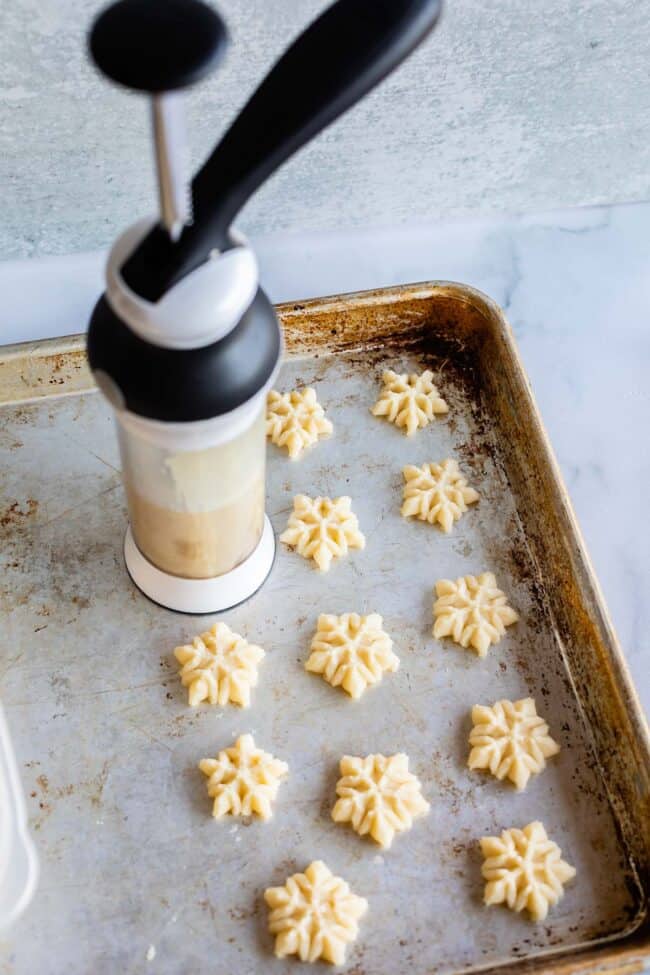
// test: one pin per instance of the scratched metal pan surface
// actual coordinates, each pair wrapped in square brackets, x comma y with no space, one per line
[132,862]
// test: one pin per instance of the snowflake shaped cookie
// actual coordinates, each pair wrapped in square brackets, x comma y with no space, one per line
[510,740]
[524,869]
[295,420]
[322,529]
[378,795]
[436,493]
[314,915]
[409,401]
[351,651]
[243,780]
[219,667]
[472,611]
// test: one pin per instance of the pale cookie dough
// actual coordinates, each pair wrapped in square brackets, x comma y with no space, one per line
[409,401]
[378,795]
[510,740]
[322,529]
[243,780]
[351,651]
[472,611]
[314,915]
[295,420]
[219,667]
[524,869]
[436,493]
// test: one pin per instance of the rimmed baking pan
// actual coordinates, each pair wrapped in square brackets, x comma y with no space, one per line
[108,748]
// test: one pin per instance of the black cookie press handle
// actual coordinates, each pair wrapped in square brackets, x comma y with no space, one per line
[352,46]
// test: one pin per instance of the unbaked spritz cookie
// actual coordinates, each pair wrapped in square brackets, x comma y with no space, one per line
[510,740]
[243,780]
[378,796]
[524,869]
[409,401]
[437,493]
[322,529]
[314,915]
[219,667]
[351,651]
[295,420]
[472,611]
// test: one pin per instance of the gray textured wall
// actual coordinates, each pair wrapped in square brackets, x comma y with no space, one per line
[513,104]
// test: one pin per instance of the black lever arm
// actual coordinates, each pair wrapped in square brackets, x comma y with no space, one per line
[349,49]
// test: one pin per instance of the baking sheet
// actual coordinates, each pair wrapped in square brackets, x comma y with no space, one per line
[136,875]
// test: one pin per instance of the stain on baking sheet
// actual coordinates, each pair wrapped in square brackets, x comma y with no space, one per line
[108,747]
[17,511]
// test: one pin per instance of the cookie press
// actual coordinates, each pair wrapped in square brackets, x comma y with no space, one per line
[184,343]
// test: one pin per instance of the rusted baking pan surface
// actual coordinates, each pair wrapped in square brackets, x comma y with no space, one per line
[108,747]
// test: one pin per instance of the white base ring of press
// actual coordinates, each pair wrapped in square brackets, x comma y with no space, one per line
[196,596]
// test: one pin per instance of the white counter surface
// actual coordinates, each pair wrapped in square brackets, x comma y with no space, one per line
[576,288]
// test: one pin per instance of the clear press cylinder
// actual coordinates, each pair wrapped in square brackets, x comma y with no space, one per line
[195,491]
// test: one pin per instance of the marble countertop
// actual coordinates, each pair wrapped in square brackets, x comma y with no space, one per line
[576,288]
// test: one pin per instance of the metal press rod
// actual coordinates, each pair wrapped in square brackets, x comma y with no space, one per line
[171,162]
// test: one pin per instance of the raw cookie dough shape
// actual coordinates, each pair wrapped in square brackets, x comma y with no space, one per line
[351,651]
[314,915]
[524,869]
[243,780]
[436,493]
[510,740]
[322,529]
[472,611]
[409,401]
[219,667]
[295,420]
[378,795]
